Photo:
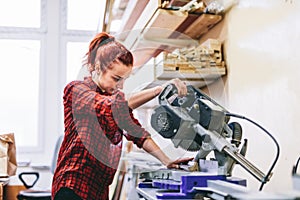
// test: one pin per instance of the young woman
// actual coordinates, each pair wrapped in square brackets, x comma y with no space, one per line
[96,117]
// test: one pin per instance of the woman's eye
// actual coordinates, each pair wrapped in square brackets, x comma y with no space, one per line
[117,79]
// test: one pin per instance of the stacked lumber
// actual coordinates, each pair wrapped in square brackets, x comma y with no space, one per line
[195,59]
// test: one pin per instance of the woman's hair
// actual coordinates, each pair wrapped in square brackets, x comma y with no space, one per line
[106,50]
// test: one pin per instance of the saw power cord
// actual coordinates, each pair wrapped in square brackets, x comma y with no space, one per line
[295,167]
[270,135]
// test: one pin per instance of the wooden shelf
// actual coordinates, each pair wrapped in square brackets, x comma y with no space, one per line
[202,77]
[156,28]
[205,73]
[148,30]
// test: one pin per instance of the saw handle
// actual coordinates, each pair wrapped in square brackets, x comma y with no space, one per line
[170,91]
[166,93]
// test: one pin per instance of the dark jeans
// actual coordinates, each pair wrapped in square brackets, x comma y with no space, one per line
[66,194]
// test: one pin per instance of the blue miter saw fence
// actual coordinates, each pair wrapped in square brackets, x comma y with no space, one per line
[198,123]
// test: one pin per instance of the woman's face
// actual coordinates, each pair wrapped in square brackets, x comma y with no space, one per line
[113,78]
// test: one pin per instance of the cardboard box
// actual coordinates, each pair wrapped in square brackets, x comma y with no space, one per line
[11,191]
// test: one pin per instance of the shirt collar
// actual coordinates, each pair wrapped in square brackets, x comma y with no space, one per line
[93,85]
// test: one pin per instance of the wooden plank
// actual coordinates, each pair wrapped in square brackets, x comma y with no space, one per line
[160,27]
[1,191]
[201,25]
[183,26]
[163,23]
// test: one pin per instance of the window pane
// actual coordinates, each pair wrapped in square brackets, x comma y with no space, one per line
[75,55]
[20,13]
[19,84]
[85,14]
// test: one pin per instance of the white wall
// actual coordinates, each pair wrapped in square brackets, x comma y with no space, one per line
[261,44]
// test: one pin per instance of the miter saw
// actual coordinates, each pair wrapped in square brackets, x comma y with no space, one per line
[197,123]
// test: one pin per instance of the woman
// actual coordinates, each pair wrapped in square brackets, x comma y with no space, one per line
[97,116]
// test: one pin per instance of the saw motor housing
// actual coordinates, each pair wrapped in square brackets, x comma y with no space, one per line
[175,117]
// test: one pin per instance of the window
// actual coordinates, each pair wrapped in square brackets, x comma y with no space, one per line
[13,13]
[75,52]
[84,15]
[19,83]
[22,34]
[42,43]
[81,21]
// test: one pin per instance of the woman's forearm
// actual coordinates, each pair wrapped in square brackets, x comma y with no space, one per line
[151,147]
[139,98]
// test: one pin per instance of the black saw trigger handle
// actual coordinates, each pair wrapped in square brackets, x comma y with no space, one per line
[166,93]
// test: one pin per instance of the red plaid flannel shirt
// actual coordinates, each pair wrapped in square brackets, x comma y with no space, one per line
[94,125]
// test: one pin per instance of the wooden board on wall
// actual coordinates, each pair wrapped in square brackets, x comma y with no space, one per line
[157,29]
[201,25]
[164,23]
[161,26]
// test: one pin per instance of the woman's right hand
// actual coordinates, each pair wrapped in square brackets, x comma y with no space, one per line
[176,164]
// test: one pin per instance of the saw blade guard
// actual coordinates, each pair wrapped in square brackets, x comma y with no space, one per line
[176,116]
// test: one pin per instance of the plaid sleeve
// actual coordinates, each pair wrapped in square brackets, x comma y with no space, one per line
[86,103]
[124,118]
[112,112]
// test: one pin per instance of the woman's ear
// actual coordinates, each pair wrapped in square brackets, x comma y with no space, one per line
[97,68]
